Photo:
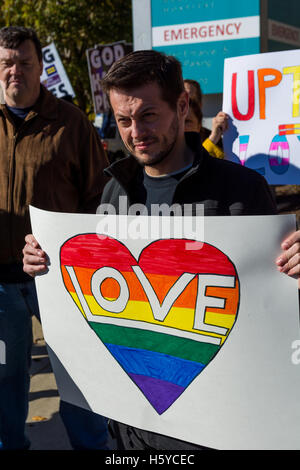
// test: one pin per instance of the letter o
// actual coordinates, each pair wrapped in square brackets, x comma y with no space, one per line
[114,306]
[107,55]
[279,164]
[118,51]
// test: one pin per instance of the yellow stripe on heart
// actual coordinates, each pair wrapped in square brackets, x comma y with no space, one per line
[179,318]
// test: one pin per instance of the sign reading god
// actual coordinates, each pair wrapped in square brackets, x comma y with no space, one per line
[163,322]
[262,97]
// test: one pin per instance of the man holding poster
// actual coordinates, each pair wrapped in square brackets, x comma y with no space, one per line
[147,95]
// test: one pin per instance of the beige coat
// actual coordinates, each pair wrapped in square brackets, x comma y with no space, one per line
[54,161]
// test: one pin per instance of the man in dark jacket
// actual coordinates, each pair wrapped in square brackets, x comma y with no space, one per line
[50,157]
[150,104]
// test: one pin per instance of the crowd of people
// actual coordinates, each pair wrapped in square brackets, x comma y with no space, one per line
[52,158]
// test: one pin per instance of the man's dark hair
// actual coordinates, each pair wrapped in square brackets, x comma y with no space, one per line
[142,67]
[11,37]
[196,92]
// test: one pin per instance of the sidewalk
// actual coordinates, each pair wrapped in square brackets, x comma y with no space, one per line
[44,427]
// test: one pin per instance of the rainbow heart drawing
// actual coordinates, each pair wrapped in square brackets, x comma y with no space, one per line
[163,316]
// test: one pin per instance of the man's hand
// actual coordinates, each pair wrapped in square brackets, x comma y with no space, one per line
[219,126]
[34,258]
[288,261]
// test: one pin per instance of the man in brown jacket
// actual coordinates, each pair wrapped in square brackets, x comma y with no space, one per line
[50,157]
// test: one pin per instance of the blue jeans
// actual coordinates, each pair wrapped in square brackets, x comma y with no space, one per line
[86,430]
[18,302]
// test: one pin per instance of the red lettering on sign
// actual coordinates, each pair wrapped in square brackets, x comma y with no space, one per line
[177,35]
[220,29]
[285,32]
[202,32]
[227,29]
[190,33]
[237,27]
[251,97]
[194,33]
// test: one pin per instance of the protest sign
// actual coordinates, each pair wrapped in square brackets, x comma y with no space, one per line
[180,336]
[54,76]
[262,98]
[100,58]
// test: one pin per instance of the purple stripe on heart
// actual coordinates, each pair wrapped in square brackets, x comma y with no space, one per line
[161,394]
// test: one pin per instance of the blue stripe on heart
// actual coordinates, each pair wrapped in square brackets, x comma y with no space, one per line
[156,365]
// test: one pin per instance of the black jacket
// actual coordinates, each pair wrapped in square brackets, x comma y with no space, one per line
[225,188]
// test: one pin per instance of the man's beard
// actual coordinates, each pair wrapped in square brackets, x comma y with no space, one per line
[168,147]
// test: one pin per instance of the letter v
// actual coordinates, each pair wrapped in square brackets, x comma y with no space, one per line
[160,311]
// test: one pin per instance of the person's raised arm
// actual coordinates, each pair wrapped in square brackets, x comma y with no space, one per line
[219,126]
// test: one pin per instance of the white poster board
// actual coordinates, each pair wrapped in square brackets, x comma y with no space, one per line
[262,98]
[156,332]
[54,76]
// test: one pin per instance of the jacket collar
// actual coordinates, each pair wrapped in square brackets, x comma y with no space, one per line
[45,106]
[126,169]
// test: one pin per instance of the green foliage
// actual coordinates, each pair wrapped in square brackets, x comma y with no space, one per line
[74,26]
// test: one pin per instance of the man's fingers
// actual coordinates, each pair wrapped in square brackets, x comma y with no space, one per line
[294,271]
[29,249]
[30,240]
[293,239]
[35,260]
[289,260]
[34,270]
[32,265]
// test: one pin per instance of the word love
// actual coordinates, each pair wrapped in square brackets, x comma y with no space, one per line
[160,311]
[163,317]
[266,78]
